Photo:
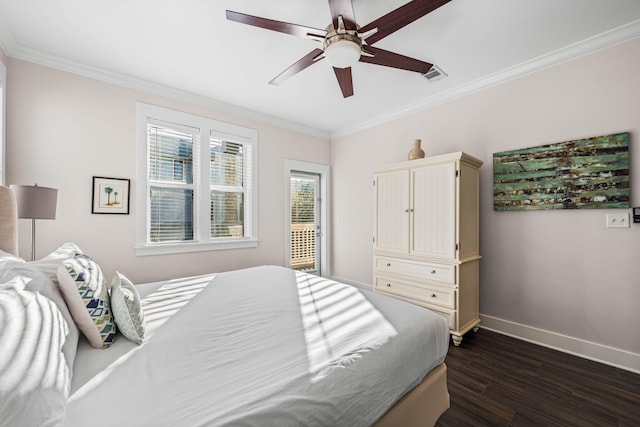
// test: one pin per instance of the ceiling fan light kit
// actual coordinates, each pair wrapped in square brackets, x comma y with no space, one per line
[342,53]
[344,42]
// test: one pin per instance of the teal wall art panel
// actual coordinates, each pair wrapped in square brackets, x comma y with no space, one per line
[591,173]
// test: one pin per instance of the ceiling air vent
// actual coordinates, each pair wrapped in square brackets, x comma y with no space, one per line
[434,74]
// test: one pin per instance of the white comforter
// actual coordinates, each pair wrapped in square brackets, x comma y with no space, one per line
[263,346]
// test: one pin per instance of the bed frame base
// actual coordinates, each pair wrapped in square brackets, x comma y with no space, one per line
[423,405]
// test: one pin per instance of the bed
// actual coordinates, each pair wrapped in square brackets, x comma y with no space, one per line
[262,346]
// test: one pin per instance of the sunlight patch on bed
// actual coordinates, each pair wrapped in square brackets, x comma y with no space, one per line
[340,324]
[159,306]
[32,331]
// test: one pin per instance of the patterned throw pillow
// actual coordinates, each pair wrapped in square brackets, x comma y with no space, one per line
[85,291]
[127,308]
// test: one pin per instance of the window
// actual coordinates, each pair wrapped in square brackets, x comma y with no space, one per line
[171,192]
[227,188]
[196,183]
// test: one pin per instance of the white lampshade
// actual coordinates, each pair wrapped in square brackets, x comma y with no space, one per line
[342,54]
[35,202]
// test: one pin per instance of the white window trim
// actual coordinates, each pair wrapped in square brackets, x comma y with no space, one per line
[3,128]
[291,166]
[206,126]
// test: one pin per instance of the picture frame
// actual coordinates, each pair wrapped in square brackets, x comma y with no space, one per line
[110,196]
[586,173]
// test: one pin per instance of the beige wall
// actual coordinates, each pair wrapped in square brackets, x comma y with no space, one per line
[64,129]
[3,68]
[559,271]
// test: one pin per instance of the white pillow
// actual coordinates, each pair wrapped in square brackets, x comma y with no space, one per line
[127,308]
[85,291]
[35,277]
[6,256]
[49,264]
[49,289]
[34,379]
[8,263]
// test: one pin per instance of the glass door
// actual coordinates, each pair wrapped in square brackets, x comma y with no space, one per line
[305,229]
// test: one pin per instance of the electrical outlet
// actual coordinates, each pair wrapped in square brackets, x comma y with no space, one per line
[618,220]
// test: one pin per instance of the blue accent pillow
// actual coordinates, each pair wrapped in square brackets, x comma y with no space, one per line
[85,291]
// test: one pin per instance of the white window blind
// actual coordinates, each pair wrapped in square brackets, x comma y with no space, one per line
[171,182]
[227,188]
[303,194]
[197,184]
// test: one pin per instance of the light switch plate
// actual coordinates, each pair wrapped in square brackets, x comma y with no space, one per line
[618,220]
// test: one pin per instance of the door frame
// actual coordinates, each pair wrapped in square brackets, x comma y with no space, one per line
[291,166]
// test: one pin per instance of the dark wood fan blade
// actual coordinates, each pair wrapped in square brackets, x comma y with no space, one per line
[344,8]
[344,80]
[395,60]
[270,24]
[301,64]
[402,16]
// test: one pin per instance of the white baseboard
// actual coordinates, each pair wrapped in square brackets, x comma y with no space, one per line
[616,357]
[589,350]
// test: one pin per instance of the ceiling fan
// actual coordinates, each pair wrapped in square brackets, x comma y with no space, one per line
[344,42]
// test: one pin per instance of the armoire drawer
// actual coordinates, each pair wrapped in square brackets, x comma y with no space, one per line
[424,270]
[440,296]
[449,315]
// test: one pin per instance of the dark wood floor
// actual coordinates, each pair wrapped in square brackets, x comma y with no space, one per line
[495,380]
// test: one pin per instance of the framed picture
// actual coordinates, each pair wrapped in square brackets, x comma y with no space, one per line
[110,196]
[588,173]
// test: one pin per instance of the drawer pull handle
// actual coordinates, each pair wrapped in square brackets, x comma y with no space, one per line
[388,264]
[388,285]
[433,272]
[433,295]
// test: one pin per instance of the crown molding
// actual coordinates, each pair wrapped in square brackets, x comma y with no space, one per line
[7,42]
[38,57]
[593,44]
[584,47]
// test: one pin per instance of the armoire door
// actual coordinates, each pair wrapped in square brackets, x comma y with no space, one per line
[433,212]
[391,220]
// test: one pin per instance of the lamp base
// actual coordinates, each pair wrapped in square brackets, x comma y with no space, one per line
[33,239]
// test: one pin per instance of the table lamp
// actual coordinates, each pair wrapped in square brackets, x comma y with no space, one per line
[33,203]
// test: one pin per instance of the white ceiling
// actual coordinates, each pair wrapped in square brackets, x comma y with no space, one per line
[189,49]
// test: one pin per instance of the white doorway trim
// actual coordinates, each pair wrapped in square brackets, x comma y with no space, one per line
[322,170]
